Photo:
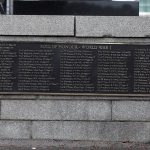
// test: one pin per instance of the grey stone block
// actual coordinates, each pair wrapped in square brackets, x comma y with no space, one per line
[56,110]
[90,26]
[131,110]
[103,131]
[14,130]
[37,25]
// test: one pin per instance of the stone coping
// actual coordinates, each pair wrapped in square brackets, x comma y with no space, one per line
[75,26]
[37,25]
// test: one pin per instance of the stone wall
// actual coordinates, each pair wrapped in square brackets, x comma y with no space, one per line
[100,118]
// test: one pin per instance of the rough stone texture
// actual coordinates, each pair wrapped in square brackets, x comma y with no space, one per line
[78,98]
[89,26]
[131,110]
[103,131]
[70,145]
[84,98]
[14,130]
[97,98]
[77,148]
[37,25]
[56,110]
[18,97]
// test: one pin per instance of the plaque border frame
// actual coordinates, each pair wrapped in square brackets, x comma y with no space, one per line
[71,93]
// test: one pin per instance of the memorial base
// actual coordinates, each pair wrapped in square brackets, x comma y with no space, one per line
[121,122]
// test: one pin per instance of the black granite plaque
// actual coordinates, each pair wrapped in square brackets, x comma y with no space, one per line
[64,68]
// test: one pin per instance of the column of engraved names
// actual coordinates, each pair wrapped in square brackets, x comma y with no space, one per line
[113,71]
[36,68]
[8,57]
[142,69]
[76,68]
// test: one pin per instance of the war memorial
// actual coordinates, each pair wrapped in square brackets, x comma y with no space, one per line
[74,74]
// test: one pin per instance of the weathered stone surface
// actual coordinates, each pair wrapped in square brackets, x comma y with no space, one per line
[37,25]
[56,110]
[18,97]
[131,110]
[77,148]
[15,148]
[79,98]
[89,26]
[70,145]
[103,131]
[97,98]
[15,130]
